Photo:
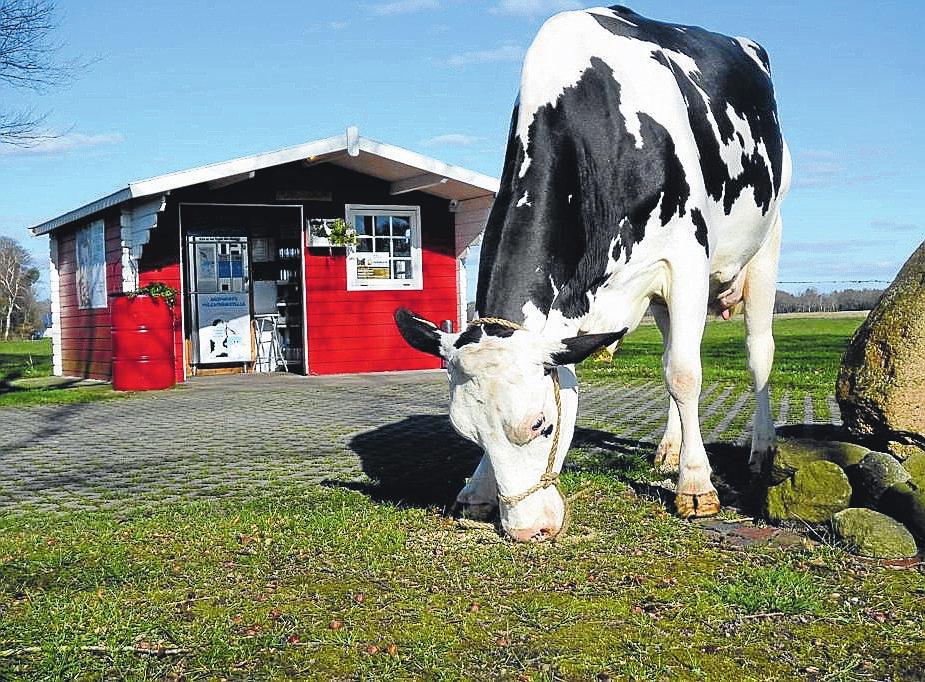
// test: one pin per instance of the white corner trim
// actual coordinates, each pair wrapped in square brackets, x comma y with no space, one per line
[54,281]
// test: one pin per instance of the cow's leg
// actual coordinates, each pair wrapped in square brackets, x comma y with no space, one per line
[687,309]
[759,292]
[479,497]
[668,453]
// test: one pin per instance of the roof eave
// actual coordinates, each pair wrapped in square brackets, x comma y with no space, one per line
[350,142]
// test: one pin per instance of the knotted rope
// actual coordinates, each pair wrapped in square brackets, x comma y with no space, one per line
[550,477]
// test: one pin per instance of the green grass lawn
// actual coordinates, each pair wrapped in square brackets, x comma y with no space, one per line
[24,364]
[807,356]
[328,583]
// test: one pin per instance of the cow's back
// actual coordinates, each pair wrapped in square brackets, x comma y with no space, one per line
[625,128]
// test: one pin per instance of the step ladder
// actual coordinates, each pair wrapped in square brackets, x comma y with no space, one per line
[269,349]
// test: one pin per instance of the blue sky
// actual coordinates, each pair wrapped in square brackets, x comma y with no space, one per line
[172,85]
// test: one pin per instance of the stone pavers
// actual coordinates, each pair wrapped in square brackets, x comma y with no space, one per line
[239,435]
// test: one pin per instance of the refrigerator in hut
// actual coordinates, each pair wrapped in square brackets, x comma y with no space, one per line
[220,300]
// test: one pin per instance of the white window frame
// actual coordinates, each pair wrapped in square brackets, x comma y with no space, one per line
[416,283]
[85,271]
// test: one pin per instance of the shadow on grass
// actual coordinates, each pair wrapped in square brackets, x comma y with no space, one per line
[422,461]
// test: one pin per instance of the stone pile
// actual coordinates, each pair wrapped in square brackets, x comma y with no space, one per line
[874,502]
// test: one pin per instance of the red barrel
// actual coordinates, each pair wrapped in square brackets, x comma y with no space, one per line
[142,344]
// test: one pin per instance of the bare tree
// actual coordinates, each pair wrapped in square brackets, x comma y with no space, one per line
[28,60]
[17,276]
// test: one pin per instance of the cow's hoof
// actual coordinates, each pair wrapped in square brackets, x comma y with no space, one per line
[699,506]
[476,511]
[667,459]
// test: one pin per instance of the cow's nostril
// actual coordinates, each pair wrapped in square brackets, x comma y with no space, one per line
[538,423]
[547,431]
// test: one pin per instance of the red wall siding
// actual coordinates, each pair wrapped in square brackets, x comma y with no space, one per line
[354,331]
[86,347]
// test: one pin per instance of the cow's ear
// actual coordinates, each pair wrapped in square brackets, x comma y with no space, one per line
[421,334]
[577,348]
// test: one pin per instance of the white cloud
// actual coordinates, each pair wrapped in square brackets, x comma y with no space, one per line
[893,226]
[401,7]
[338,25]
[57,145]
[451,140]
[508,52]
[830,247]
[534,7]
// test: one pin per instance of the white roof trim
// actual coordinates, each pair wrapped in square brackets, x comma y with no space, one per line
[247,164]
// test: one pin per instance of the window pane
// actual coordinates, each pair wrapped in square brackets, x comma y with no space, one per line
[401,269]
[382,245]
[401,247]
[382,226]
[364,244]
[363,224]
[401,226]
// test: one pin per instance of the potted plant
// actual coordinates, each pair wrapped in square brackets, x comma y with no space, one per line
[331,233]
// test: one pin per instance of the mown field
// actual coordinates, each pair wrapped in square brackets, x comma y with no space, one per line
[24,370]
[329,583]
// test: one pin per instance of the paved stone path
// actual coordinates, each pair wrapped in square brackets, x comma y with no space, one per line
[240,434]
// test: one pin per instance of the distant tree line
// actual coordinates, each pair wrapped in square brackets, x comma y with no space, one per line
[813,301]
[22,313]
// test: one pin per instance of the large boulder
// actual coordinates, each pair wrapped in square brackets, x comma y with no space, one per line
[880,385]
[794,453]
[873,534]
[815,493]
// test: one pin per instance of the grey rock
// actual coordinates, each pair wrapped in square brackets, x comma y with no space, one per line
[873,534]
[876,473]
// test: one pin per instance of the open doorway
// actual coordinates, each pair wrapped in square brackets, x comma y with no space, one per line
[244,302]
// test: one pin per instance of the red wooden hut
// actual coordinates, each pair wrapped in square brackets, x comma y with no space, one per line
[243,241]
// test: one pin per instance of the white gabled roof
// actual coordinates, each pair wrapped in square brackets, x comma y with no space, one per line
[407,171]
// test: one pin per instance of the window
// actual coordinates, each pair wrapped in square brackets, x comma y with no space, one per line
[387,254]
[90,244]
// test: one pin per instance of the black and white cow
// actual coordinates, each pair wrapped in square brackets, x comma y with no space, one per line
[645,166]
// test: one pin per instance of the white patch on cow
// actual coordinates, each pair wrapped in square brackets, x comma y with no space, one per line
[750,47]
[534,318]
[555,289]
[570,198]
[524,200]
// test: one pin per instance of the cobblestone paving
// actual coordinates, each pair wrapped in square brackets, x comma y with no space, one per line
[237,435]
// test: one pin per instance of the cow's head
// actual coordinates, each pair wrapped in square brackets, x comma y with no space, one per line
[502,398]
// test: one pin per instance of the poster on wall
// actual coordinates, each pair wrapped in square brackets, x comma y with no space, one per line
[373,266]
[91,266]
[224,328]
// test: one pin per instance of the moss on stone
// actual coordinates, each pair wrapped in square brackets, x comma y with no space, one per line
[915,465]
[873,534]
[794,453]
[905,502]
[813,494]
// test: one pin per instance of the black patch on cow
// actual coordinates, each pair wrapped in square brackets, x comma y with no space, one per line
[474,334]
[700,233]
[730,78]
[579,146]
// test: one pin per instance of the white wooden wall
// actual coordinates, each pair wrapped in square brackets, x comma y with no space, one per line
[471,217]
[54,283]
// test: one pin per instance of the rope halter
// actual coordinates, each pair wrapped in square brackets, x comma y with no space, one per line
[550,478]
